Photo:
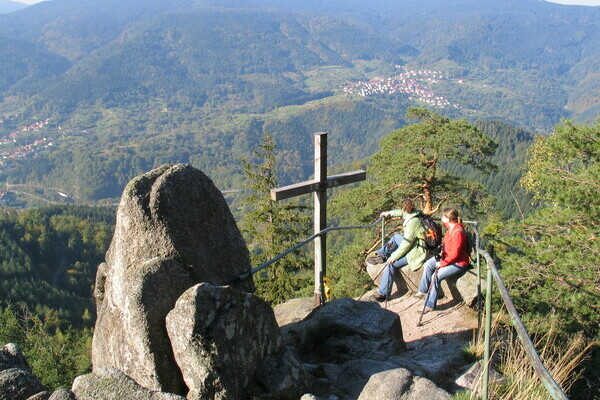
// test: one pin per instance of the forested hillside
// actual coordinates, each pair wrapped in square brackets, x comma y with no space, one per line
[48,261]
[121,87]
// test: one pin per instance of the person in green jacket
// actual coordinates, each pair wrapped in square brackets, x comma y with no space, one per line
[402,249]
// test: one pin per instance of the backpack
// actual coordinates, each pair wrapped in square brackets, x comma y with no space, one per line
[433,232]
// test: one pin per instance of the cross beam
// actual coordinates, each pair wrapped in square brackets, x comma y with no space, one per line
[319,186]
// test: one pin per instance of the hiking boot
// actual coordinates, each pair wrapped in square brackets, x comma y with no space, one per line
[379,297]
[425,311]
[419,295]
[376,259]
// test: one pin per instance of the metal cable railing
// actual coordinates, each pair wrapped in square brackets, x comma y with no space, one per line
[247,274]
[549,383]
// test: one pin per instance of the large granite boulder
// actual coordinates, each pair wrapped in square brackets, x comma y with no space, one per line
[17,382]
[344,330]
[173,230]
[433,361]
[112,384]
[294,310]
[227,344]
[62,394]
[399,384]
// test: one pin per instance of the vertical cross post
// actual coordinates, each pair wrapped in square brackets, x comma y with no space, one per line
[320,219]
[319,186]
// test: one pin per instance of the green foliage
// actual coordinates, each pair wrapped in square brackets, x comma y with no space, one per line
[511,199]
[409,165]
[271,227]
[552,266]
[56,359]
[48,260]
[565,166]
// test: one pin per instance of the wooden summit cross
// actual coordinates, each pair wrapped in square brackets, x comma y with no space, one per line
[319,186]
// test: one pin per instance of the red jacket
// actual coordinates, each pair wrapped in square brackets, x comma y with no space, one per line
[455,247]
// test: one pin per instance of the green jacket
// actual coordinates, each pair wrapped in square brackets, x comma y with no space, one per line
[413,245]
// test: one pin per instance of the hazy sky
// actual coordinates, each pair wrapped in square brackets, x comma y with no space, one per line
[574,2]
[579,2]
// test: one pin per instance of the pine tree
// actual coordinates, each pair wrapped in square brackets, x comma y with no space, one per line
[551,258]
[411,164]
[272,227]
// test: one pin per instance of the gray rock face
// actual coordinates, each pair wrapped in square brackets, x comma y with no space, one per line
[355,374]
[423,388]
[174,230]
[17,382]
[62,394]
[472,378]
[227,342]
[344,330]
[399,384]
[40,396]
[390,385]
[112,384]
[433,361]
[12,357]
[406,281]
[293,310]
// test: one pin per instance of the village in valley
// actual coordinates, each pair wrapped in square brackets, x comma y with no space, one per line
[21,144]
[415,83]
[24,142]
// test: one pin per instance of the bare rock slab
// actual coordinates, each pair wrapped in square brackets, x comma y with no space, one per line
[400,384]
[227,344]
[173,230]
[407,281]
[344,330]
[62,394]
[293,310]
[112,384]
[17,382]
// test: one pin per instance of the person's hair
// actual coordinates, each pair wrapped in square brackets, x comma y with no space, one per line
[408,206]
[452,215]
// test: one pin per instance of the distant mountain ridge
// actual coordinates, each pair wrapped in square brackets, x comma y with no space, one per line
[134,86]
[8,6]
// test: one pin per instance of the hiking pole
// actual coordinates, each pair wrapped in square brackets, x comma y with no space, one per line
[390,282]
[433,278]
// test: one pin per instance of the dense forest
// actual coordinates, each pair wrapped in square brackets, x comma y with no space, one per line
[125,88]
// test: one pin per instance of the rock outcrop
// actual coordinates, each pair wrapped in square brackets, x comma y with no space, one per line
[400,384]
[112,384]
[173,230]
[344,330]
[62,394]
[406,281]
[17,382]
[227,342]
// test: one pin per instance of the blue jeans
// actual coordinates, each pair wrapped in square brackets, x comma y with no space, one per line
[387,277]
[443,273]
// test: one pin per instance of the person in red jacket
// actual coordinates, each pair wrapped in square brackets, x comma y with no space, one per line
[453,260]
